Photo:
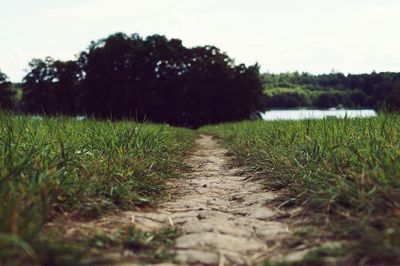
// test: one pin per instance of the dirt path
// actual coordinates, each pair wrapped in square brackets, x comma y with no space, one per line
[222,216]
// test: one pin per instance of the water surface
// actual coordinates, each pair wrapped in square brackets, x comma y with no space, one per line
[302,114]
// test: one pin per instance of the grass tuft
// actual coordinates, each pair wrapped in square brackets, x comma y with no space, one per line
[345,171]
[55,166]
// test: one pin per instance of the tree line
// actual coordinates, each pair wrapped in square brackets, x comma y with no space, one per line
[160,80]
[154,79]
[375,90]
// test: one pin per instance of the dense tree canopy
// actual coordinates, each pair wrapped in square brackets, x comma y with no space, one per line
[51,87]
[6,93]
[375,90]
[155,79]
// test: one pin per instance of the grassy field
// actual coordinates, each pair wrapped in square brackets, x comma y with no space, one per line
[59,165]
[345,173]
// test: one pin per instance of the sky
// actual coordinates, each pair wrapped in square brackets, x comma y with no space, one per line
[316,36]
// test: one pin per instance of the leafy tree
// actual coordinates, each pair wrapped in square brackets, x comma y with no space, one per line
[327,100]
[160,80]
[287,100]
[6,93]
[358,99]
[51,87]
[392,98]
[37,87]
[66,87]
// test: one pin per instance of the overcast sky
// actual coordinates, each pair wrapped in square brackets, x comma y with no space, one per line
[314,36]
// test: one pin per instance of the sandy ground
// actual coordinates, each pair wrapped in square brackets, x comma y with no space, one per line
[223,217]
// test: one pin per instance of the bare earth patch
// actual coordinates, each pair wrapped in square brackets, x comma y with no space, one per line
[223,217]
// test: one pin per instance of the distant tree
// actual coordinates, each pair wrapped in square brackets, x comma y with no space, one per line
[287,100]
[358,99]
[160,80]
[51,87]
[391,99]
[114,71]
[6,93]
[37,86]
[327,100]
[66,87]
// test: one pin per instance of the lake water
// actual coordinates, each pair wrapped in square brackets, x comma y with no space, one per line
[303,114]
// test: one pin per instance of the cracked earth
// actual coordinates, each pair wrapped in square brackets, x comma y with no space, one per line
[222,215]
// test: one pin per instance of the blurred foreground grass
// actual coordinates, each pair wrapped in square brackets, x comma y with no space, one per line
[345,172]
[58,165]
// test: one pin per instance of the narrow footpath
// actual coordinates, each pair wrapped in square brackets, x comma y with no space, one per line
[222,215]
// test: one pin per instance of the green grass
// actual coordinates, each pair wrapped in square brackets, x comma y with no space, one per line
[60,165]
[146,247]
[345,172]
[316,257]
[155,246]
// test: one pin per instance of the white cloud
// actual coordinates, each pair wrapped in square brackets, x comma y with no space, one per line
[306,35]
